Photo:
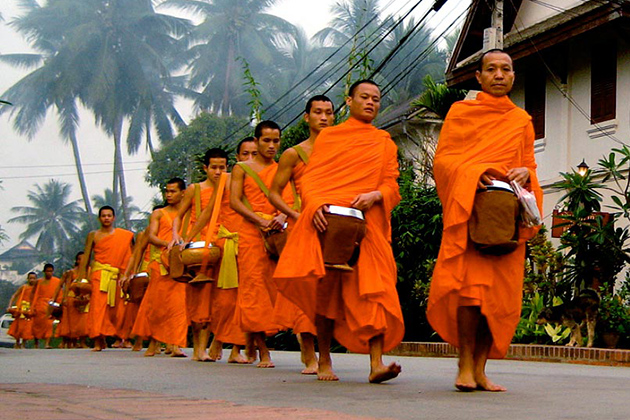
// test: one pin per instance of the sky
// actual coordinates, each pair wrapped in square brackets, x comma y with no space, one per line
[24,162]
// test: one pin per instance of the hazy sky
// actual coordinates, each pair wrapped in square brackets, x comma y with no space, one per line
[24,163]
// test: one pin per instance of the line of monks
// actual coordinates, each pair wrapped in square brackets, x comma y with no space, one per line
[251,292]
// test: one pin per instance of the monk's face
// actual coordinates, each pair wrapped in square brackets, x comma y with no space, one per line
[497,74]
[364,102]
[106,218]
[247,152]
[268,143]
[77,260]
[31,279]
[320,116]
[215,167]
[173,194]
[48,273]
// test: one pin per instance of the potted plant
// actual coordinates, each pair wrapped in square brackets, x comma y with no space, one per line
[614,319]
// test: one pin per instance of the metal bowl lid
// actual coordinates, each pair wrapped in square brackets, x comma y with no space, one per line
[140,274]
[500,186]
[346,211]
[53,303]
[196,245]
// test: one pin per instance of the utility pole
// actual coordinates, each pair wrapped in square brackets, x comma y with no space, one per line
[493,36]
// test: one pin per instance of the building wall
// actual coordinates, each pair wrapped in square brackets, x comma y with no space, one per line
[531,13]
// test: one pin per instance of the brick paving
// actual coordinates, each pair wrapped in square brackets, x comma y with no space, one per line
[529,352]
[73,402]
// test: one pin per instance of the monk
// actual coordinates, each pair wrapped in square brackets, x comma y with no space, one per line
[40,296]
[318,114]
[225,289]
[72,326]
[199,295]
[112,249]
[246,149]
[257,291]
[166,311]
[352,165]
[21,327]
[475,298]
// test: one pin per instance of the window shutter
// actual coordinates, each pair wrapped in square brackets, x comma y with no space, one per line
[603,82]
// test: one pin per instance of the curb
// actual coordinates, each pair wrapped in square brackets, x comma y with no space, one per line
[528,352]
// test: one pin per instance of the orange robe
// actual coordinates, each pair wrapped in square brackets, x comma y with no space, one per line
[349,159]
[73,322]
[286,313]
[257,290]
[166,311]
[487,133]
[22,328]
[223,324]
[141,328]
[115,250]
[199,295]
[42,323]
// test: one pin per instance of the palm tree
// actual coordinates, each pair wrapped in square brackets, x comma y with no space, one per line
[112,55]
[230,29]
[51,217]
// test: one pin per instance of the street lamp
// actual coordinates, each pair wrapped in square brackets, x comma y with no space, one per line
[582,168]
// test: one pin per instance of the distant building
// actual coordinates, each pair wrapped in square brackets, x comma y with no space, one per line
[572,61]
[19,260]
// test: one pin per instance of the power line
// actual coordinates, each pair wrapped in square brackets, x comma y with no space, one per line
[29,166]
[73,174]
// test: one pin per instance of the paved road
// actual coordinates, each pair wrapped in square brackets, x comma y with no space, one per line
[424,390]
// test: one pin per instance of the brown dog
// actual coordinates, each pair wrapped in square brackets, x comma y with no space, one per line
[582,309]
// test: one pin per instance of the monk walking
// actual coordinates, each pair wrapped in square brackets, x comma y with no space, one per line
[318,114]
[43,293]
[112,249]
[21,327]
[257,291]
[72,326]
[353,165]
[475,298]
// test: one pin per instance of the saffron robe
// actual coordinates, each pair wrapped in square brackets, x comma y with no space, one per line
[223,325]
[347,160]
[257,290]
[141,328]
[199,295]
[22,328]
[166,309]
[485,134]
[42,326]
[114,250]
[286,313]
[73,322]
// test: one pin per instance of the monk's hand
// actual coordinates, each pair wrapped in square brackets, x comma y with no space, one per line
[263,224]
[123,281]
[520,175]
[319,220]
[485,179]
[365,201]
[277,223]
[175,241]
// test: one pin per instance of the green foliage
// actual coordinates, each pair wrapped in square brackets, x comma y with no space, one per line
[528,330]
[438,98]
[6,291]
[183,156]
[613,311]
[295,134]
[416,236]
[544,270]
[580,192]
[253,90]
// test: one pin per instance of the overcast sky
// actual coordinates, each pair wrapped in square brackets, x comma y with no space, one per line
[24,163]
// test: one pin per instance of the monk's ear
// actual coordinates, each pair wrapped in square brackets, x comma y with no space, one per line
[348,100]
[305,117]
[478,76]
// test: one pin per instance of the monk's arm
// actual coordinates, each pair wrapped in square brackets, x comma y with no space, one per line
[136,255]
[202,221]
[14,296]
[64,276]
[522,174]
[85,258]
[387,191]
[154,224]
[184,206]
[281,179]
[236,199]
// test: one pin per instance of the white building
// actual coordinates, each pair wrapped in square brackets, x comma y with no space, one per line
[572,62]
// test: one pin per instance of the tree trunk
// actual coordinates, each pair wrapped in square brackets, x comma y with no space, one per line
[225,102]
[149,139]
[119,171]
[79,166]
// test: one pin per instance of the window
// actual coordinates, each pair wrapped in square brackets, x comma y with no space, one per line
[535,92]
[603,82]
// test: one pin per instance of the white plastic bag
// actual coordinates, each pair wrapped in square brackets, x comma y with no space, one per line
[529,208]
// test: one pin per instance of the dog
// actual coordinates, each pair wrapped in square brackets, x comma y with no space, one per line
[574,314]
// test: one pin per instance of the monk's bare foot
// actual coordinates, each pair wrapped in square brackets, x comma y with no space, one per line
[202,356]
[149,353]
[117,344]
[126,344]
[325,373]
[485,384]
[177,352]
[266,364]
[384,373]
[215,352]
[237,357]
[310,362]
[168,349]
[465,381]
[311,368]
[137,346]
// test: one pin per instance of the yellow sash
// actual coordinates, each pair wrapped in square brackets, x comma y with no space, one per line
[228,272]
[109,277]
[156,255]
